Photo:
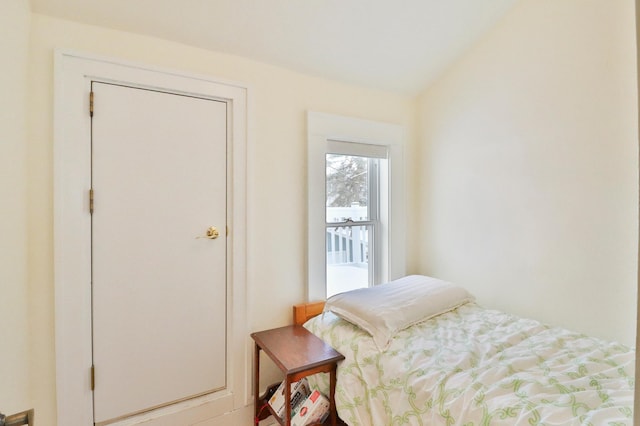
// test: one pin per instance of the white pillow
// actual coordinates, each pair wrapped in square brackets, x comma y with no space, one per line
[387,308]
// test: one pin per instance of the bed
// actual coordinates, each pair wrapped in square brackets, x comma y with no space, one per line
[420,351]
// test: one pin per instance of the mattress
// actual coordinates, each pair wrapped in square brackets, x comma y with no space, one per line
[474,366]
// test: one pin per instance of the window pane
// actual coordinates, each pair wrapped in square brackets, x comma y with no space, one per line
[347,188]
[347,258]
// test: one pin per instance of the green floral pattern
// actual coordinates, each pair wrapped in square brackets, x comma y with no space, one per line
[474,366]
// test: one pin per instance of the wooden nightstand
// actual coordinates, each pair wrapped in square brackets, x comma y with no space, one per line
[298,353]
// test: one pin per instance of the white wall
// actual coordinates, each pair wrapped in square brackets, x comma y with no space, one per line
[636,402]
[14,310]
[529,167]
[276,167]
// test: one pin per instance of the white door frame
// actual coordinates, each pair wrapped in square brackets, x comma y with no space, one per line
[72,232]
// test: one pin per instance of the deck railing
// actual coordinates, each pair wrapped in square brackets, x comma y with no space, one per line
[348,244]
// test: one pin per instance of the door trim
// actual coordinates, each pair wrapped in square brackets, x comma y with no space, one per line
[73,74]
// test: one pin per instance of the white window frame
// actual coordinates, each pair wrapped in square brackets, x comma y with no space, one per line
[377,193]
[322,128]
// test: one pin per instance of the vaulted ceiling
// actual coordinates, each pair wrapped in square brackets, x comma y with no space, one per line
[398,45]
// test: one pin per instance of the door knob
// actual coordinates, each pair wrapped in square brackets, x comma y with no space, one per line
[212,233]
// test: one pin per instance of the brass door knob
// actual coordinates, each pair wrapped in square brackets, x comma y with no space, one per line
[212,233]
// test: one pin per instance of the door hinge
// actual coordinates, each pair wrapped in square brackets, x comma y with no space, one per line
[91,201]
[93,377]
[91,104]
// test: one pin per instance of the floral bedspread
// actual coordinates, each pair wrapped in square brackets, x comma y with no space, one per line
[474,366]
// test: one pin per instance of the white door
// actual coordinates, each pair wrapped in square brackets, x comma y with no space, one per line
[159,292]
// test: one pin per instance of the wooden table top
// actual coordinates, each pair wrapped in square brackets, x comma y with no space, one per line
[293,348]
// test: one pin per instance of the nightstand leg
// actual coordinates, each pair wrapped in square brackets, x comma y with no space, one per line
[256,384]
[287,401]
[332,395]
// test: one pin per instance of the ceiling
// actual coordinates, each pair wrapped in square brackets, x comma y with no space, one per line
[397,45]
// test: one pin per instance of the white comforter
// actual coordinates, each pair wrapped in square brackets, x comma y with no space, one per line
[474,366]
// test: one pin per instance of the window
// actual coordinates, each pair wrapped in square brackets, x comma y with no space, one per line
[352,218]
[356,235]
